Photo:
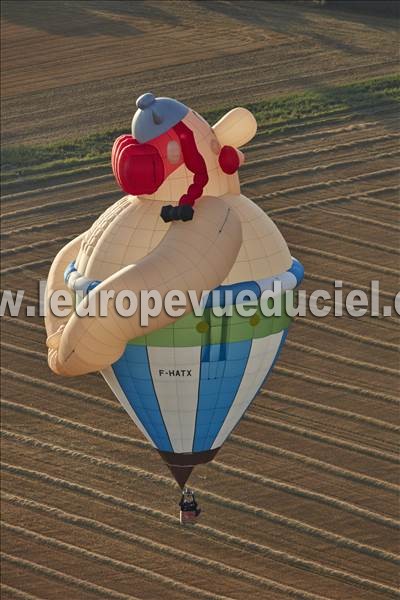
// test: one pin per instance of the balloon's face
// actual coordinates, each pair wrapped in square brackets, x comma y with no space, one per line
[142,168]
[186,158]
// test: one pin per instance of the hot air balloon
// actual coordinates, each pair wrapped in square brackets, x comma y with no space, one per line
[182,225]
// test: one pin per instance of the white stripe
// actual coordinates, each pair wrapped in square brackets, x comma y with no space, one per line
[78,283]
[262,355]
[288,282]
[177,394]
[72,277]
[112,382]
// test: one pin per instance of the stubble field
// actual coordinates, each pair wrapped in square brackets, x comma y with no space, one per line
[301,501]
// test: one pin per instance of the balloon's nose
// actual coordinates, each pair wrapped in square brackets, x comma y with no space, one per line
[138,168]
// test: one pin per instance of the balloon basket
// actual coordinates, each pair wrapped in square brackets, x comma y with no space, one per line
[188,517]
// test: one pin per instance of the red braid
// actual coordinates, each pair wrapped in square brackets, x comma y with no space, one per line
[194,162]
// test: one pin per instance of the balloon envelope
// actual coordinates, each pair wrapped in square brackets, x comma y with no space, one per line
[187,385]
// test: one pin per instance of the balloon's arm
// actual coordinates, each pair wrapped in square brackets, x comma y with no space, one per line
[55,283]
[196,255]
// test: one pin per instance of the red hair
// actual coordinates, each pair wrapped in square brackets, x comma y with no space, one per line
[194,162]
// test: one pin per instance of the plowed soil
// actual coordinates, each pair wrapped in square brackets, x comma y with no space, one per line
[301,501]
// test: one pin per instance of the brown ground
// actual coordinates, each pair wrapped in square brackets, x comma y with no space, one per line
[301,501]
[70,67]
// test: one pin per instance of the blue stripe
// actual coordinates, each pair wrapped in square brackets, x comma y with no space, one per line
[222,299]
[133,373]
[70,269]
[93,284]
[284,335]
[297,270]
[219,383]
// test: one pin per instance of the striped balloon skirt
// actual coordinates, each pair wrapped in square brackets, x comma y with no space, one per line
[187,385]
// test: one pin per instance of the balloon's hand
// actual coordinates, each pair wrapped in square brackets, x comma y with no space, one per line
[53,341]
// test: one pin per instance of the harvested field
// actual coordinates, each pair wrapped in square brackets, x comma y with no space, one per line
[301,501]
[81,65]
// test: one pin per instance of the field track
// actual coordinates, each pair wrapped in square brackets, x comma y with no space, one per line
[301,501]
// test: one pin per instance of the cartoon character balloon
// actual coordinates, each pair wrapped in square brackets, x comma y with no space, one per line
[182,225]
